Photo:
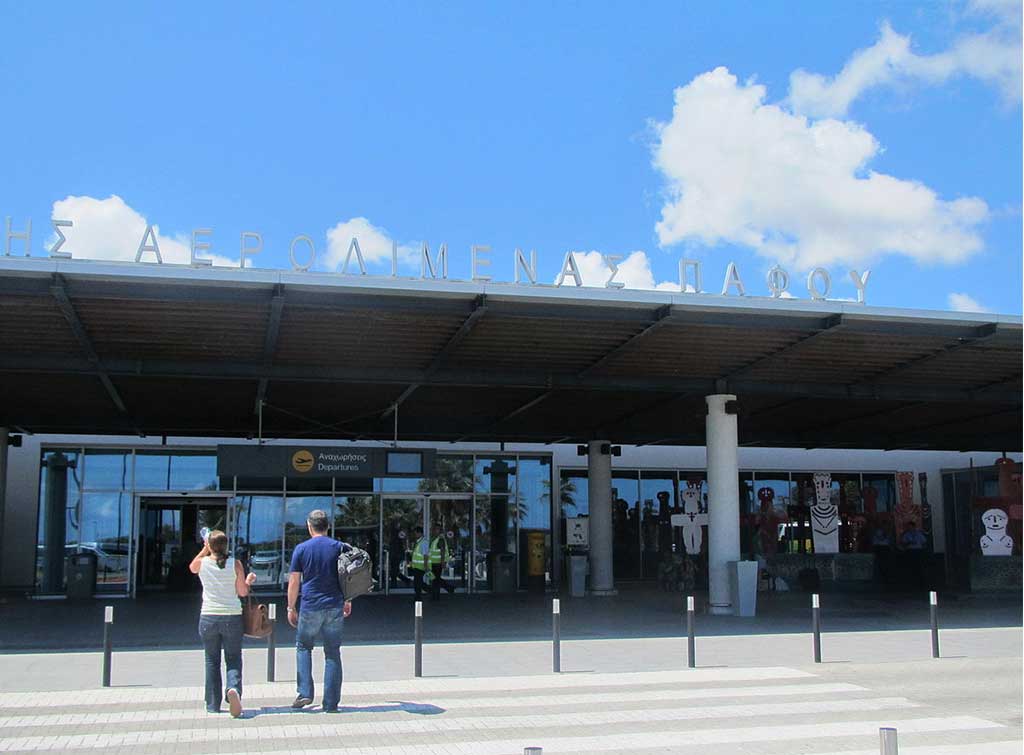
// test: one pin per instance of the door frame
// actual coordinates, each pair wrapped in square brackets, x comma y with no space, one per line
[182,498]
[425,498]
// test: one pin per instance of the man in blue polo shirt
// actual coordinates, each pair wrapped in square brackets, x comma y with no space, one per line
[314,573]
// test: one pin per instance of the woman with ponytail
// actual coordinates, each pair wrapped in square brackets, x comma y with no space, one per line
[220,619]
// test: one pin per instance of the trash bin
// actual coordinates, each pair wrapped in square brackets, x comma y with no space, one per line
[579,566]
[743,587]
[81,573]
[503,572]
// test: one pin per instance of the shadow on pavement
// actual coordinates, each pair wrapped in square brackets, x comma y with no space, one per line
[396,706]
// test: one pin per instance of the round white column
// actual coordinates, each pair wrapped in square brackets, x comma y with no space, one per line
[599,493]
[723,501]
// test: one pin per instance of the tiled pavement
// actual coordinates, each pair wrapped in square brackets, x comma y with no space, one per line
[770,710]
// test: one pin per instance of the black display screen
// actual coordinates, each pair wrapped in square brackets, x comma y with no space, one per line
[404,463]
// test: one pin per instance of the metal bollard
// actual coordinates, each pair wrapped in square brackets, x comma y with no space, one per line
[887,743]
[556,636]
[691,641]
[108,623]
[271,643]
[533,751]
[816,626]
[933,605]
[418,670]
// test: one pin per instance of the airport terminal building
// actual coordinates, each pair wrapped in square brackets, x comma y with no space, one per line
[663,435]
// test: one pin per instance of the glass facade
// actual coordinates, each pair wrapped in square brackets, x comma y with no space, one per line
[141,512]
[774,513]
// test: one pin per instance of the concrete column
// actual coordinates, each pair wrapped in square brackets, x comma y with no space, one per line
[4,435]
[723,501]
[599,491]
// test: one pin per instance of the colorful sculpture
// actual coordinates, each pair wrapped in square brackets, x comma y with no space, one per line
[824,515]
[906,512]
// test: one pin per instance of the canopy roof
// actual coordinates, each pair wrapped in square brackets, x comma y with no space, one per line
[125,348]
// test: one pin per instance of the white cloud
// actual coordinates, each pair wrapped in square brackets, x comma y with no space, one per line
[109,229]
[634,271]
[793,190]
[992,56]
[375,244]
[964,303]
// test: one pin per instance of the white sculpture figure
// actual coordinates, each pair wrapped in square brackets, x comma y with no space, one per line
[824,515]
[691,520]
[995,541]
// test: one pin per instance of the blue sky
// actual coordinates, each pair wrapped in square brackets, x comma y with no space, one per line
[844,135]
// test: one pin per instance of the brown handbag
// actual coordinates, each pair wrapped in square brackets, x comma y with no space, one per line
[254,619]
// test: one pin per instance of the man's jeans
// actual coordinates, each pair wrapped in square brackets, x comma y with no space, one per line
[221,633]
[326,623]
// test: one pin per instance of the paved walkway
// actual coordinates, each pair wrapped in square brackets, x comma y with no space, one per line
[488,687]
[169,620]
[390,661]
[769,710]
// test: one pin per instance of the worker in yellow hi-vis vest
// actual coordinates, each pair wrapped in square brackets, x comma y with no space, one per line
[438,558]
[420,560]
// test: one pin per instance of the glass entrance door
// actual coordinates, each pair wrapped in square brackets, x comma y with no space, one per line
[169,539]
[452,518]
[357,522]
[401,515]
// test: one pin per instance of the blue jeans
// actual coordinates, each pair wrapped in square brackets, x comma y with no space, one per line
[327,624]
[221,633]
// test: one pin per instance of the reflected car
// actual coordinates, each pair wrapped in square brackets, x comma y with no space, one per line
[266,565]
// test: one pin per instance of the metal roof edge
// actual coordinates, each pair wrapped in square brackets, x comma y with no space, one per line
[113,271]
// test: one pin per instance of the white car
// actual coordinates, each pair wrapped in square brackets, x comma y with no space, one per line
[266,565]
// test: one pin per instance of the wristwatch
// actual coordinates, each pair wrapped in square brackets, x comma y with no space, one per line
[291,609]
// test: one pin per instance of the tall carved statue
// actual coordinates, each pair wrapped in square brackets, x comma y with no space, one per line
[906,512]
[692,520]
[926,509]
[768,523]
[824,515]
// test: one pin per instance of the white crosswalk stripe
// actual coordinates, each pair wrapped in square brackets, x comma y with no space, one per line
[676,711]
[458,703]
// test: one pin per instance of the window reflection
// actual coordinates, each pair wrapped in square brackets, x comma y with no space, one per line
[658,494]
[106,531]
[626,523]
[297,510]
[573,493]
[453,474]
[259,521]
[108,470]
[497,475]
[357,522]
[180,470]
[401,518]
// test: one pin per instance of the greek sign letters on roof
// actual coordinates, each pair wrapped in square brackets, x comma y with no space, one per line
[302,254]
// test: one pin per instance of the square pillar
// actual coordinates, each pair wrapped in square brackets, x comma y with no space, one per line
[723,500]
